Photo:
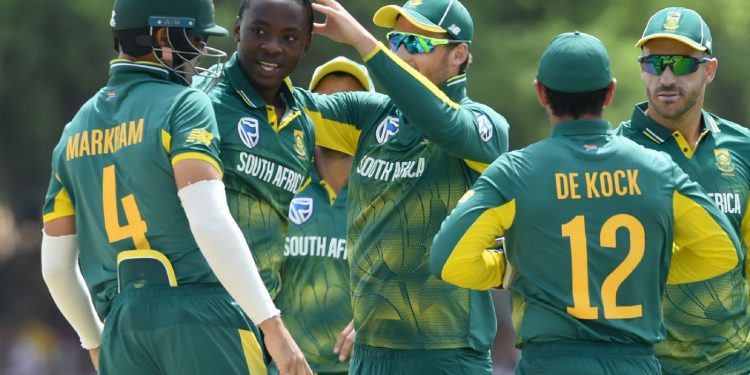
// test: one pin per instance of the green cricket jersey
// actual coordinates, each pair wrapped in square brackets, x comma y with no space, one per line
[415,153]
[707,323]
[589,219]
[267,160]
[112,170]
[315,299]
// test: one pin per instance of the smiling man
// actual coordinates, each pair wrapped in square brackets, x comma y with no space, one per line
[267,141]
[707,322]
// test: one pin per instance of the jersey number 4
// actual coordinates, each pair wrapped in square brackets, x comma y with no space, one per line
[136,227]
[576,231]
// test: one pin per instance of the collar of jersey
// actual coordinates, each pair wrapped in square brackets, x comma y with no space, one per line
[120,67]
[246,91]
[657,133]
[582,127]
[454,87]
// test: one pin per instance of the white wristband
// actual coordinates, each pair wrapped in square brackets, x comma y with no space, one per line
[225,248]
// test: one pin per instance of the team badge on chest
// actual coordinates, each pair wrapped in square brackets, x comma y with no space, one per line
[387,129]
[724,162]
[299,144]
[249,131]
[300,210]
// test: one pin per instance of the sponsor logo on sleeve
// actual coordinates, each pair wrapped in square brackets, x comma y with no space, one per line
[485,128]
[387,129]
[249,131]
[201,136]
[300,210]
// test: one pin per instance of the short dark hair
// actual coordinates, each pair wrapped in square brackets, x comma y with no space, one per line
[576,104]
[305,3]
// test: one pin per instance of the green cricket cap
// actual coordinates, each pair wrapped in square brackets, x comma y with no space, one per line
[195,15]
[681,24]
[438,16]
[573,63]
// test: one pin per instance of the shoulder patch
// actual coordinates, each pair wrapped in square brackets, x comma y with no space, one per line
[202,136]
[387,129]
[300,210]
[249,131]
[485,128]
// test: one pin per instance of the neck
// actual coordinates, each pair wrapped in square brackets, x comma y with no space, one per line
[554,120]
[151,57]
[688,124]
[334,170]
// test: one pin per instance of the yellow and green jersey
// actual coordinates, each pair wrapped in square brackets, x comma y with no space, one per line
[267,160]
[589,220]
[707,323]
[416,152]
[112,170]
[315,298]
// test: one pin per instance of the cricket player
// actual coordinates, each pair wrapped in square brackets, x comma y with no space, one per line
[315,299]
[136,199]
[707,322]
[267,141]
[416,152]
[589,220]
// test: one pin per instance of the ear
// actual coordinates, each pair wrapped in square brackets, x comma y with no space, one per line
[160,38]
[541,94]
[711,68]
[610,92]
[459,54]
[237,27]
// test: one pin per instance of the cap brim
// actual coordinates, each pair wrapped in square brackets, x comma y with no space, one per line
[387,15]
[215,30]
[342,66]
[676,37]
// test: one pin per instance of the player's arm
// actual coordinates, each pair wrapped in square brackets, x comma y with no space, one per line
[193,149]
[706,244]
[461,251]
[61,272]
[340,118]
[745,228]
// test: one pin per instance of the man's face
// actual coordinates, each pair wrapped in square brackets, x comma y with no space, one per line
[434,65]
[271,38]
[671,96]
[334,83]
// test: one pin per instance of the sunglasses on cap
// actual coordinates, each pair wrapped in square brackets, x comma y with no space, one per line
[680,65]
[416,43]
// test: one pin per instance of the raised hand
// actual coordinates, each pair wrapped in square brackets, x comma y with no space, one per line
[342,27]
[345,342]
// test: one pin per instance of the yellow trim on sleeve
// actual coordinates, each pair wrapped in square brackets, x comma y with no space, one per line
[703,249]
[63,207]
[471,264]
[166,141]
[335,135]
[372,53]
[150,254]
[253,353]
[418,76]
[197,156]
[475,165]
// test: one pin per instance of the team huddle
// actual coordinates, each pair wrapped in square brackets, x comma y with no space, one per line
[223,221]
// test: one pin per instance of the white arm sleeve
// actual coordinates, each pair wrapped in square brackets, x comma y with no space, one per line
[65,283]
[225,249]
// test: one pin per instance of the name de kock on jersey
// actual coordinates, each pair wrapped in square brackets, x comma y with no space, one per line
[599,184]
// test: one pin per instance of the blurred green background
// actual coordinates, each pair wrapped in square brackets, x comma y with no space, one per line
[54,55]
